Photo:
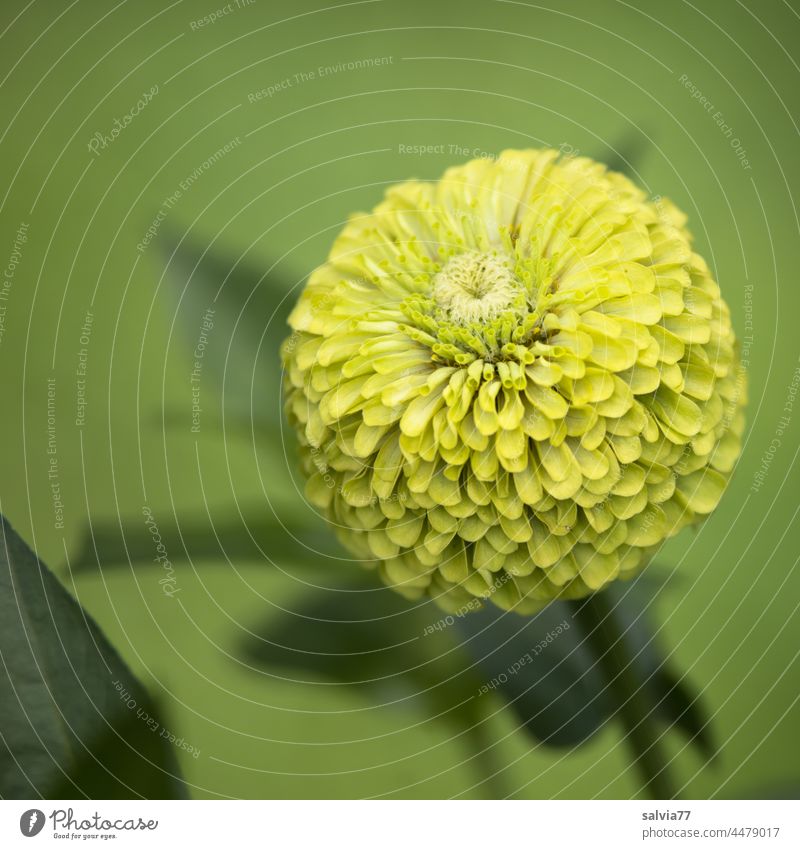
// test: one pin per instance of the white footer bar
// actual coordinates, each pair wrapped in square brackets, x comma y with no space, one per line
[402,824]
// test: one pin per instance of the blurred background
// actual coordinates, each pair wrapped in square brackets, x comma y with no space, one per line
[139,136]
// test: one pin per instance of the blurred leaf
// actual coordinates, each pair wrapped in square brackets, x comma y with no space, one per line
[552,670]
[364,635]
[403,655]
[541,667]
[672,696]
[249,537]
[669,694]
[626,154]
[62,688]
[549,671]
[250,311]
[682,708]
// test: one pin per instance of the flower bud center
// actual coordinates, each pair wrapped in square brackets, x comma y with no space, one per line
[474,287]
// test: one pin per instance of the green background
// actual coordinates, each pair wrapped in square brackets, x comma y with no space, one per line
[601,78]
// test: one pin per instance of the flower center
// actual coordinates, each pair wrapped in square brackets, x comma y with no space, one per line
[474,287]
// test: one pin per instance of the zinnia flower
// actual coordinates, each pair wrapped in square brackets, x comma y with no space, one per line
[513,383]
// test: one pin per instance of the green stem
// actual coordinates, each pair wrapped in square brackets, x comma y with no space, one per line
[486,758]
[632,705]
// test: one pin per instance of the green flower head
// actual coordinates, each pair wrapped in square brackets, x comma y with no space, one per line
[513,383]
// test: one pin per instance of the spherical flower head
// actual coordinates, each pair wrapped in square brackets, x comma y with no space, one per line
[514,383]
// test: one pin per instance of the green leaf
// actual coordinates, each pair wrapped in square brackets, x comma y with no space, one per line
[120,762]
[672,695]
[233,319]
[365,635]
[258,536]
[547,668]
[540,666]
[682,708]
[239,352]
[73,717]
[608,634]
[400,655]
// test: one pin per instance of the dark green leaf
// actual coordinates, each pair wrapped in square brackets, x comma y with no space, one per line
[682,708]
[62,688]
[548,671]
[541,667]
[670,695]
[120,762]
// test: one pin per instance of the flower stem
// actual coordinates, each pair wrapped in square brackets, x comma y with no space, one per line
[486,753]
[631,702]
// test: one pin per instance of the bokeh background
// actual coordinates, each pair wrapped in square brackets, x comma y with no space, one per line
[321,106]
